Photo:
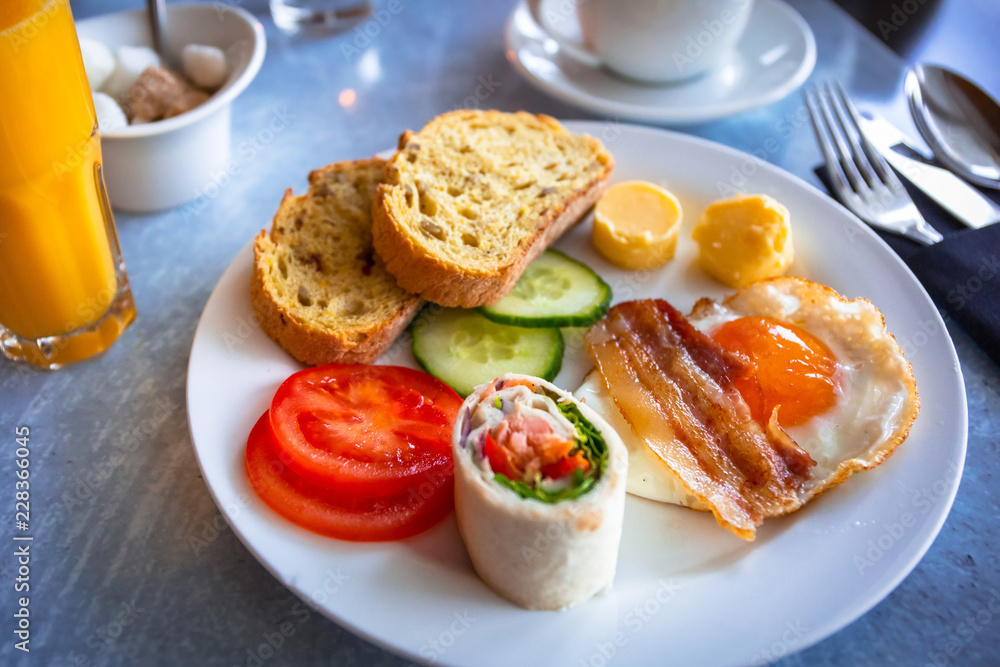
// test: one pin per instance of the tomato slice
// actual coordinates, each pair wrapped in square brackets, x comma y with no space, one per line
[329,510]
[371,430]
[499,458]
[566,466]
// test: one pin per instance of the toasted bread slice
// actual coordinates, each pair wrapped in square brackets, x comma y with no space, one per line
[473,197]
[319,289]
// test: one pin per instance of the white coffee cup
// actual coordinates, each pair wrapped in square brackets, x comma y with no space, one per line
[657,41]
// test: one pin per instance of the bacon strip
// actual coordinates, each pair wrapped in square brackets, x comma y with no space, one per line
[675,387]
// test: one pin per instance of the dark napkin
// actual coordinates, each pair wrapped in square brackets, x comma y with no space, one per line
[961,272]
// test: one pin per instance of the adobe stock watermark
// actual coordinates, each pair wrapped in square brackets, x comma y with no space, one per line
[966,291]
[486,86]
[85,483]
[30,28]
[634,620]
[203,535]
[244,329]
[612,129]
[922,501]
[900,14]
[574,338]
[965,632]
[710,30]
[76,155]
[332,583]
[929,330]
[433,649]
[784,645]
[247,151]
[368,31]
[221,6]
[736,178]
[876,201]
[556,13]
[273,641]
[103,640]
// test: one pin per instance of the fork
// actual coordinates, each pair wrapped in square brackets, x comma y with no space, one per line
[861,178]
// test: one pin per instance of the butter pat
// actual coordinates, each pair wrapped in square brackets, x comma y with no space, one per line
[636,225]
[744,239]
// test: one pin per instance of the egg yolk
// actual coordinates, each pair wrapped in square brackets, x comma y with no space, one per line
[795,370]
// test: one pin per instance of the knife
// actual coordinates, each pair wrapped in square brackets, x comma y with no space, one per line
[959,198]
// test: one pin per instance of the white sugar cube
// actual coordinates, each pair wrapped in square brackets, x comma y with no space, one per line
[132,60]
[98,61]
[110,117]
[204,65]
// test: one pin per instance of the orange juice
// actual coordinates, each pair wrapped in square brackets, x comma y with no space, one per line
[60,268]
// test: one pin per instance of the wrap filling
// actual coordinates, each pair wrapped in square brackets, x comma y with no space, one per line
[535,442]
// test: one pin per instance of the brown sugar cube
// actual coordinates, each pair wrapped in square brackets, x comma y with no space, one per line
[189,100]
[160,93]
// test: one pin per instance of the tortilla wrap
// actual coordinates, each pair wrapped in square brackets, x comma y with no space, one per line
[538,555]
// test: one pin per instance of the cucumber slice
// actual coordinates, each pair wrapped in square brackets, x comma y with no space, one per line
[464,349]
[554,291]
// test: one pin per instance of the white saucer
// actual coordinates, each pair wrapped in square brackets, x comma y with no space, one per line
[775,56]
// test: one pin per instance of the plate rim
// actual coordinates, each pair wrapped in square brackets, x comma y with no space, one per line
[835,623]
[668,115]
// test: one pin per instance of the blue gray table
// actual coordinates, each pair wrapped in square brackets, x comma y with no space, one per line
[134,563]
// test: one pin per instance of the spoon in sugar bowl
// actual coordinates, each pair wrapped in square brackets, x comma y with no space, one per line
[157,10]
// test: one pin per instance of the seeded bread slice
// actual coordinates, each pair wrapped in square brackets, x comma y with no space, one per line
[319,289]
[473,197]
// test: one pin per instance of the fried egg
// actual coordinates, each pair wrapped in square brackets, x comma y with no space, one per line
[838,380]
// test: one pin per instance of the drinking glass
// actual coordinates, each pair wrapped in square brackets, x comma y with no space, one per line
[312,15]
[64,294]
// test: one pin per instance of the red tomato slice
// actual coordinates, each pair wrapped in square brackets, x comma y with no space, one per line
[566,466]
[328,510]
[370,430]
[499,459]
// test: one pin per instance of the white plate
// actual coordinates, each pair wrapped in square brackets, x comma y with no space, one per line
[687,591]
[774,57]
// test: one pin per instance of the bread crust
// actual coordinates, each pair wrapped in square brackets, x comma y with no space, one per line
[441,283]
[448,285]
[308,343]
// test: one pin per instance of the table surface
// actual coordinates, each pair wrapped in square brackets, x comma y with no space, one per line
[134,563]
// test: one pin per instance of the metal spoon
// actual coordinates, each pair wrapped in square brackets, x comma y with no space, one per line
[157,21]
[958,120]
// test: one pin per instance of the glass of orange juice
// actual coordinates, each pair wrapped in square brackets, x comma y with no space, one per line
[64,295]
